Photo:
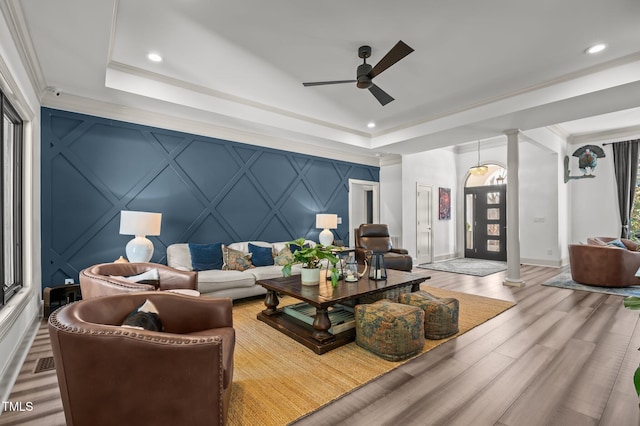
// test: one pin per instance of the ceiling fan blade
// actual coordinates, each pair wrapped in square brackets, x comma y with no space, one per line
[397,52]
[321,83]
[382,96]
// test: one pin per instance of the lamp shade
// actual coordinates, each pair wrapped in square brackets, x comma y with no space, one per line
[140,223]
[327,221]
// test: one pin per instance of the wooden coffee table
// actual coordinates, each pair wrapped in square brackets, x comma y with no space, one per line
[323,296]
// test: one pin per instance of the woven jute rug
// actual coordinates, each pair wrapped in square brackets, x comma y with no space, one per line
[276,380]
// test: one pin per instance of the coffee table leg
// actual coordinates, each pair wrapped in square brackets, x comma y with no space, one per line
[271,302]
[321,325]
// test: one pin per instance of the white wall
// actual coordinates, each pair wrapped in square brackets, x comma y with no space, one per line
[437,169]
[594,201]
[19,318]
[391,198]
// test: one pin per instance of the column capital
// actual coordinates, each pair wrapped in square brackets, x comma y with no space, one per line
[512,132]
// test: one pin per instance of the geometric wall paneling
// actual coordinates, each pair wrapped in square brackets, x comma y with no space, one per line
[207,189]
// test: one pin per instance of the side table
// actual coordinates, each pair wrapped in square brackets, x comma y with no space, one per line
[56,296]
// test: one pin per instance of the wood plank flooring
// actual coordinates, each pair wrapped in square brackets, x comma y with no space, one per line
[559,357]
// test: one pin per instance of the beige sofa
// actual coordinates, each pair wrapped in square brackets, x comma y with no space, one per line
[233,284]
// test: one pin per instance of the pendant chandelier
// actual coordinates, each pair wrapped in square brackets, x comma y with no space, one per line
[479,170]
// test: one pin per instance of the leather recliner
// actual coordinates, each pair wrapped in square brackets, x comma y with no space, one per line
[375,238]
[110,375]
[599,264]
[106,278]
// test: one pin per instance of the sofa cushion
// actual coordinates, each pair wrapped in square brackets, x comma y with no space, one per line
[617,243]
[236,260]
[206,256]
[261,256]
[215,280]
[179,257]
[283,256]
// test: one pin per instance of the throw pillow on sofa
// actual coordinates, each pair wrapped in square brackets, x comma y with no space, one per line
[205,257]
[236,260]
[261,256]
[617,243]
[283,257]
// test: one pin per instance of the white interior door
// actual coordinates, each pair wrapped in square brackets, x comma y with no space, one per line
[364,204]
[423,224]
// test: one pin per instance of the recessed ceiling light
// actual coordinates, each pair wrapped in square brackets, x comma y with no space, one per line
[596,48]
[154,57]
[371,125]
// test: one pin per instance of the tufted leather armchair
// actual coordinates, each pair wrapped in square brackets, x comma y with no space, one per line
[102,279]
[375,237]
[110,375]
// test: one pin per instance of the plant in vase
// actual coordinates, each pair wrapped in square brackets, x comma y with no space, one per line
[633,302]
[310,258]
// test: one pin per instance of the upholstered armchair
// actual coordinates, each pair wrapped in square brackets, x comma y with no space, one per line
[111,375]
[598,263]
[111,278]
[375,237]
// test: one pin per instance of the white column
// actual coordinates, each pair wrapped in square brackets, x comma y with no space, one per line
[513,214]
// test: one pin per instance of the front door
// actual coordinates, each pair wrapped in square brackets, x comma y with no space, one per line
[486,222]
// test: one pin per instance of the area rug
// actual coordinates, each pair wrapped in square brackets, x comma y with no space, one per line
[277,380]
[565,281]
[467,266]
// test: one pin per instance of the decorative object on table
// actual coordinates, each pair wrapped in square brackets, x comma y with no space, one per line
[310,258]
[140,224]
[121,260]
[351,269]
[587,161]
[326,222]
[335,276]
[444,203]
[479,170]
[377,268]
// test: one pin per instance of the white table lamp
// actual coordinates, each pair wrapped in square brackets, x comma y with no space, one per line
[326,222]
[140,224]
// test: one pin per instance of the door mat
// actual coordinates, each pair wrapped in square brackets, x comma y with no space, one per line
[467,266]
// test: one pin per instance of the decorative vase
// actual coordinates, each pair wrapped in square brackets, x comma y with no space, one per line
[310,276]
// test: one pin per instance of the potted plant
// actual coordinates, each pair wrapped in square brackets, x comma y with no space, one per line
[310,258]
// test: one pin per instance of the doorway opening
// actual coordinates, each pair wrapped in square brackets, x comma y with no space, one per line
[364,204]
[485,214]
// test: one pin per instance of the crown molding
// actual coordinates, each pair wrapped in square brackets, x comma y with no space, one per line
[17,25]
[608,136]
[292,142]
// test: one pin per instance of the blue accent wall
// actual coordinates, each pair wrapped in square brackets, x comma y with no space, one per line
[207,189]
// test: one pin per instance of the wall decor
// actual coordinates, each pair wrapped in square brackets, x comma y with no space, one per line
[444,203]
[587,156]
[207,189]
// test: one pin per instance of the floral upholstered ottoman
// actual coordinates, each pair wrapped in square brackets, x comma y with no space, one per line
[441,314]
[392,331]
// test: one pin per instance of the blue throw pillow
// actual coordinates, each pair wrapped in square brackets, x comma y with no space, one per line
[261,256]
[205,257]
[294,247]
[617,243]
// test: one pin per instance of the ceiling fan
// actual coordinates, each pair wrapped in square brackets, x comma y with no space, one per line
[366,73]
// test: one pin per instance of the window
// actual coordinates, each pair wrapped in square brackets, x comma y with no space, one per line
[11,200]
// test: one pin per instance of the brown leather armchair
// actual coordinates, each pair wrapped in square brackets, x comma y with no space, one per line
[597,263]
[102,279]
[375,237]
[111,375]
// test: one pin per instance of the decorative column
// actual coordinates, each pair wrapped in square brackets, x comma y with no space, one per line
[513,213]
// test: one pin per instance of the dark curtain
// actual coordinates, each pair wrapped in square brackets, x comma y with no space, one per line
[625,162]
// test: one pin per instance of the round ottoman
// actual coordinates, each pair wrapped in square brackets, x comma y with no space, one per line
[392,331]
[441,314]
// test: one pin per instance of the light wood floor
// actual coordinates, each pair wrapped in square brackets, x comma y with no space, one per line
[559,357]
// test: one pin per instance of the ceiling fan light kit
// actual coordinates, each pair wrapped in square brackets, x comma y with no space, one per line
[365,72]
